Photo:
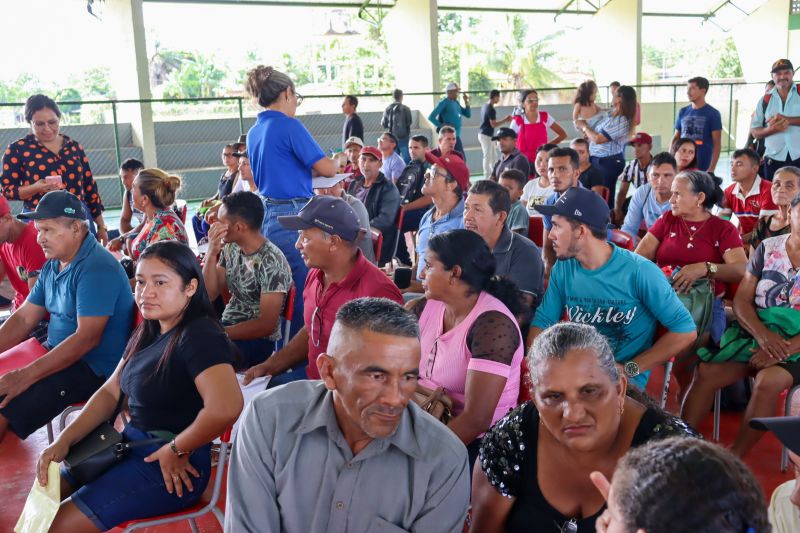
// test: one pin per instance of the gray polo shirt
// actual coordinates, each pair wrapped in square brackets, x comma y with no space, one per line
[520,260]
[292,471]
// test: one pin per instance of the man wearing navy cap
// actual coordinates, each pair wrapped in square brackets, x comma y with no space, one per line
[88,328]
[328,231]
[510,156]
[620,293]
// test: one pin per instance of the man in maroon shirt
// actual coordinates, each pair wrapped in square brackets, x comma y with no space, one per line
[21,257]
[338,272]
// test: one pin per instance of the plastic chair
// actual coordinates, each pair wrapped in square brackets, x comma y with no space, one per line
[286,316]
[622,239]
[198,509]
[377,242]
[399,224]
[787,409]
[535,230]
[181,207]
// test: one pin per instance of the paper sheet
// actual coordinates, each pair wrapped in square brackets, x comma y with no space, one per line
[249,391]
[42,504]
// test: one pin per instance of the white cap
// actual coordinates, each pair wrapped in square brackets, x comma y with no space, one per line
[452,86]
[321,182]
[354,140]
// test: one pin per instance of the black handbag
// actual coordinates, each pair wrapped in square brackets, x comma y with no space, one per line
[101,449]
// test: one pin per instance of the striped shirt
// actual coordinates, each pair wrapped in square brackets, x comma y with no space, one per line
[634,173]
[617,130]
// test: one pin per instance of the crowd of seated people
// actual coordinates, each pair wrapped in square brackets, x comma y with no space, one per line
[534,359]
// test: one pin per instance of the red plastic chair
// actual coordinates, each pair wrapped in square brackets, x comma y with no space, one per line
[286,316]
[198,509]
[399,225]
[622,239]
[181,207]
[536,230]
[21,355]
[377,243]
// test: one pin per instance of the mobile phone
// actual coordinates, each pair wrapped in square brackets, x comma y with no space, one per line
[54,180]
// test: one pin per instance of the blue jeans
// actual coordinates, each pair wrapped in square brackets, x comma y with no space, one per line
[611,167]
[200,226]
[460,145]
[285,240]
[254,351]
[402,147]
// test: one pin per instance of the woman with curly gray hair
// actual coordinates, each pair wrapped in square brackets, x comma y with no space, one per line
[535,462]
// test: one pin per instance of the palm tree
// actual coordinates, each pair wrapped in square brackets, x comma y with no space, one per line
[524,65]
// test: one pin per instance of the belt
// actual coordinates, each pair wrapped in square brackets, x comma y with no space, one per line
[285,200]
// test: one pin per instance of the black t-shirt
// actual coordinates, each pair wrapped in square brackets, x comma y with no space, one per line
[488,113]
[508,458]
[167,399]
[353,127]
[410,182]
[591,177]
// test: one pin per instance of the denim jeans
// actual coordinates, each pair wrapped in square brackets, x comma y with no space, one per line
[460,146]
[402,147]
[611,167]
[285,240]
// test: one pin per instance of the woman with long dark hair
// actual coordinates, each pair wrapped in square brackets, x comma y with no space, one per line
[470,341]
[609,136]
[177,376]
[684,150]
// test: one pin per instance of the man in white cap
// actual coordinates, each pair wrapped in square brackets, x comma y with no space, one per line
[335,187]
[449,111]
[352,148]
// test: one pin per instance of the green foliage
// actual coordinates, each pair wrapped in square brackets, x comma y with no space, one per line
[521,63]
[728,65]
[69,94]
[479,81]
[197,77]
[449,23]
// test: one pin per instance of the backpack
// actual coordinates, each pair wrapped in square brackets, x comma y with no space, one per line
[759,144]
[397,121]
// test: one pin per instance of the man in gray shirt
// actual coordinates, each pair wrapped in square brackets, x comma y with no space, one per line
[335,187]
[350,453]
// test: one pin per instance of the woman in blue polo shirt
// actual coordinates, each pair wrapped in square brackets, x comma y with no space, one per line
[283,156]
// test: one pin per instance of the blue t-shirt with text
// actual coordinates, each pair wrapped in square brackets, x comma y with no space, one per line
[698,124]
[282,152]
[624,299]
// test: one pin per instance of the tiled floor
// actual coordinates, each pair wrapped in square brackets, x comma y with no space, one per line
[17,460]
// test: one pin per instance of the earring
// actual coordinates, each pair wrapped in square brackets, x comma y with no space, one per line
[621,408]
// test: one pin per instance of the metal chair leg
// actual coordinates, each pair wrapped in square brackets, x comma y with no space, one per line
[193,525]
[667,376]
[717,409]
[50,432]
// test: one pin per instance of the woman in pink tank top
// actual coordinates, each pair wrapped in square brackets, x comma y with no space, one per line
[470,340]
[531,126]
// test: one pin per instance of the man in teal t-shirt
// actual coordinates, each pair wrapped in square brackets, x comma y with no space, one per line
[622,294]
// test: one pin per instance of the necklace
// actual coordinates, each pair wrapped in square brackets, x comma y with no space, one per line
[692,233]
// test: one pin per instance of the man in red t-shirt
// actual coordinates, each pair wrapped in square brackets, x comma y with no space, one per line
[749,197]
[21,257]
[339,272]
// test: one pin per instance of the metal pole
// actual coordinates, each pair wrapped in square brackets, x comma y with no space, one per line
[241,116]
[117,148]
[674,103]
[730,116]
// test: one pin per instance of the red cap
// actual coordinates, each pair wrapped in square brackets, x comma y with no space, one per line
[642,138]
[371,150]
[454,165]
[4,207]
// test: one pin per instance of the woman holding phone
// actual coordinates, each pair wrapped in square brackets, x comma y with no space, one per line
[45,160]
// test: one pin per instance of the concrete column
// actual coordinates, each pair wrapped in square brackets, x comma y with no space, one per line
[762,38]
[412,34]
[614,42]
[130,73]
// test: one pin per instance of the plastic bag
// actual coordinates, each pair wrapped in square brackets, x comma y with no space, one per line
[42,504]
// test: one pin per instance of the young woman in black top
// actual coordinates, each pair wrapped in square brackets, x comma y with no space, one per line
[535,463]
[177,375]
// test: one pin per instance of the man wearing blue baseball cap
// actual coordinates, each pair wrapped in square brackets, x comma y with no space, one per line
[622,294]
[88,296]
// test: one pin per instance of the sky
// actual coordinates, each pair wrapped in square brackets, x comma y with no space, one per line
[61,39]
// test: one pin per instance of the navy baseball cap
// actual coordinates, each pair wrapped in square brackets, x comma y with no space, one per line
[331,215]
[786,428]
[56,204]
[583,205]
[504,132]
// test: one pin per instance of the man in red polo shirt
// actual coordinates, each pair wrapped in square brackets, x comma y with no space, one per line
[749,197]
[21,257]
[338,272]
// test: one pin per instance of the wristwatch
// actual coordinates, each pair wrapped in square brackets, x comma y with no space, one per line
[711,269]
[631,369]
[175,450]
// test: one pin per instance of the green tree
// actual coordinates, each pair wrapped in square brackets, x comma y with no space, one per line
[728,64]
[523,64]
[197,77]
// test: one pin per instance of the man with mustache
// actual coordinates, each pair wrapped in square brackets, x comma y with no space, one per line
[350,452]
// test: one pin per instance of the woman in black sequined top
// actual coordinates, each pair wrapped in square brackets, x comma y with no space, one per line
[535,462]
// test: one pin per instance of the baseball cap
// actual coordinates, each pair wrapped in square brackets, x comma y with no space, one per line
[332,215]
[354,140]
[321,182]
[451,86]
[579,204]
[781,64]
[454,165]
[56,204]
[4,207]
[374,152]
[641,138]
[504,132]
[786,428]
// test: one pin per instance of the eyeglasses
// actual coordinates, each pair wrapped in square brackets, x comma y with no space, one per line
[570,526]
[432,358]
[315,339]
[430,174]
[227,155]
[299,98]
[52,123]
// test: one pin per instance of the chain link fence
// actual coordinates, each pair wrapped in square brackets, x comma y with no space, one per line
[189,134]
